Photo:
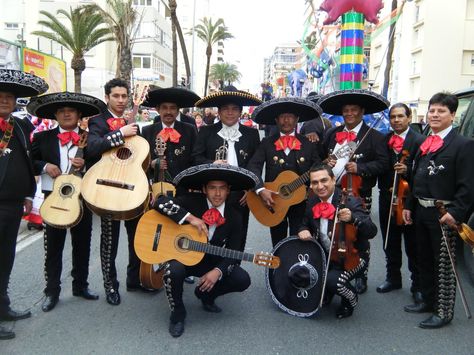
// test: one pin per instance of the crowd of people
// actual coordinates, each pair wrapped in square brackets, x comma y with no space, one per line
[217,161]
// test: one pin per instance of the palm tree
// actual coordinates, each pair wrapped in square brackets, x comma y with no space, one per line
[85,34]
[224,73]
[210,33]
[176,29]
[121,18]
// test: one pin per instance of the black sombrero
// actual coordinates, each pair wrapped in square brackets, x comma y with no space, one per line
[229,95]
[296,285]
[313,96]
[46,106]
[370,101]
[197,176]
[21,84]
[180,96]
[267,112]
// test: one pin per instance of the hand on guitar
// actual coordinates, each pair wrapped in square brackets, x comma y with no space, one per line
[345,215]
[129,130]
[305,235]
[312,137]
[52,170]
[331,162]
[208,280]
[448,219]
[351,167]
[198,223]
[407,217]
[400,168]
[243,200]
[267,196]
[221,162]
[77,163]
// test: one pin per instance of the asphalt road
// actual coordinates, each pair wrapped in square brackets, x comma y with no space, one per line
[250,322]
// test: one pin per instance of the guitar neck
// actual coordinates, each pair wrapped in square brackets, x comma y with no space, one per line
[300,181]
[219,251]
[79,154]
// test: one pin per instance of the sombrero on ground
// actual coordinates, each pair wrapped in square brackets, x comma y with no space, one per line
[46,106]
[197,176]
[21,84]
[296,286]
[182,97]
[370,101]
[267,112]
[229,95]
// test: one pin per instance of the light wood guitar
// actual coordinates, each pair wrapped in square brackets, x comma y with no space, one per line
[117,185]
[291,190]
[63,207]
[158,239]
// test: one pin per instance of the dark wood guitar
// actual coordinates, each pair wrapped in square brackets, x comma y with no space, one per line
[158,239]
[63,207]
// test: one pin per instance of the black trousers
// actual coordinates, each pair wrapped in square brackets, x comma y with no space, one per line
[234,280]
[393,253]
[437,280]
[10,218]
[54,240]
[293,220]
[109,241]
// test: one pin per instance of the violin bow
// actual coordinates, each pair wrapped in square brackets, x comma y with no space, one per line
[395,178]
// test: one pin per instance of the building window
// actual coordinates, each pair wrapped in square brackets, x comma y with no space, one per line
[11,25]
[142,61]
[472,59]
[142,2]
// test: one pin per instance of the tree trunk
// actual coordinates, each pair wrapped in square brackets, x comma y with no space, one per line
[125,64]
[185,52]
[208,65]
[388,59]
[175,51]
[78,65]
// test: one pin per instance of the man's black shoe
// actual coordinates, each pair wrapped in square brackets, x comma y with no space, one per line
[12,315]
[136,288]
[388,286]
[360,285]
[189,280]
[327,298]
[86,293]
[112,297]
[344,311]
[176,329]
[207,304]
[417,297]
[434,322]
[6,334]
[49,303]
[418,308]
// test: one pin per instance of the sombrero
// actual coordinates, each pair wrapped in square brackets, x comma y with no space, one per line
[267,112]
[313,96]
[197,176]
[296,286]
[21,84]
[370,101]
[46,106]
[180,96]
[229,95]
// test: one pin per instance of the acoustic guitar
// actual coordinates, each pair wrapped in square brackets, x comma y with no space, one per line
[63,207]
[117,186]
[158,239]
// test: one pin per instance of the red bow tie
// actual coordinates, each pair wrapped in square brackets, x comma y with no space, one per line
[67,137]
[170,134]
[343,136]
[116,123]
[431,144]
[324,210]
[290,142]
[213,216]
[396,142]
[4,125]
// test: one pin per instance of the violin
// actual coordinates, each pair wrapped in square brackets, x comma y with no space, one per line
[352,183]
[400,192]
[464,231]
[343,250]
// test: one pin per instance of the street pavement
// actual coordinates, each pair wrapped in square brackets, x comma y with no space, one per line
[249,324]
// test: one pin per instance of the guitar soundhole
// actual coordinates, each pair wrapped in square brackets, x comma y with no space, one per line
[285,191]
[182,242]
[124,153]
[66,190]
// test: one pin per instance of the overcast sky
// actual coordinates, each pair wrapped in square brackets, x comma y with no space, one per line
[258,27]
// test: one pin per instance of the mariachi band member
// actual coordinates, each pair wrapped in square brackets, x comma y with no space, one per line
[211,214]
[54,153]
[17,181]
[286,150]
[107,131]
[179,137]
[318,223]
[403,144]
[370,159]
[443,172]
[228,141]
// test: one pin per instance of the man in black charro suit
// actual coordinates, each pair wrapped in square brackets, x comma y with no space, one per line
[17,182]
[442,171]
